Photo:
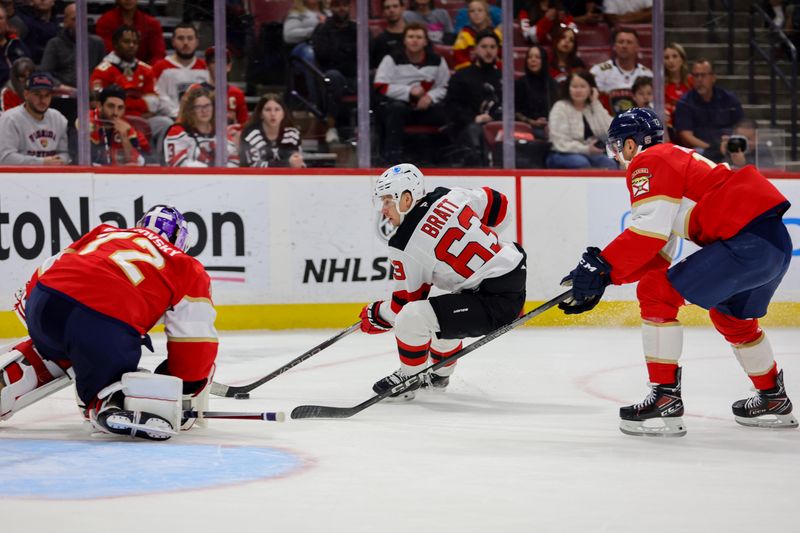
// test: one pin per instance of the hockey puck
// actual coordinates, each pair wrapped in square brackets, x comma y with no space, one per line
[241,396]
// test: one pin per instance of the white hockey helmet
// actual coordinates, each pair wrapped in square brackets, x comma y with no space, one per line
[398,179]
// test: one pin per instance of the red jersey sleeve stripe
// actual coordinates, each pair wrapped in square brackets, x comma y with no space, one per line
[401,298]
[496,207]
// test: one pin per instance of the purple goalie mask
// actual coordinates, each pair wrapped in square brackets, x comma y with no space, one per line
[168,222]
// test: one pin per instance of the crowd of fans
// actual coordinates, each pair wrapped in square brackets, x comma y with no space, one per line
[432,75]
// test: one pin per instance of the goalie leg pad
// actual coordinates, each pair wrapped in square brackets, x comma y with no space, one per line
[25,378]
[141,405]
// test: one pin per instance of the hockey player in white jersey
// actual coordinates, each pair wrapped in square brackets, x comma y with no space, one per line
[444,239]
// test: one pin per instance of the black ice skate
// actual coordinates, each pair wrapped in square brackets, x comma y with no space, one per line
[435,382]
[393,380]
[770,408]
[663,405]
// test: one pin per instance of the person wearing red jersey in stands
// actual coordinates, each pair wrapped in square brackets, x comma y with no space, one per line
[114,141]
[88,310]
[126,13]
[735,217]
[13,94]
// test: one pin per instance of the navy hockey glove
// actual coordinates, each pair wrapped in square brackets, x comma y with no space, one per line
[588,282]
[371,321]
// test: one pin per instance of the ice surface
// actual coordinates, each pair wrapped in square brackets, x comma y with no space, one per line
[524,439]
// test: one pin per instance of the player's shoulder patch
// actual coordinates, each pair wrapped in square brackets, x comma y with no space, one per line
[640,181]
[605,65]
[105,65]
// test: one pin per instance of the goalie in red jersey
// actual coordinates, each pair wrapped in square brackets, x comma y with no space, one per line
[735,216]
[88,311]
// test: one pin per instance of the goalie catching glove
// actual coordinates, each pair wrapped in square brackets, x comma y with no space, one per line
[371,321]
[588,281]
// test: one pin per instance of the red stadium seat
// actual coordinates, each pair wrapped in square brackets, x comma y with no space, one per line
[269,10]
[646,57]
[376,26]
[520,53]
[645,32]
[596,35]
[447,53]
[594,55]
[519,38]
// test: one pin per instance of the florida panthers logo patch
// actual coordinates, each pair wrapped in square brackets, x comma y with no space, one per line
[640,181]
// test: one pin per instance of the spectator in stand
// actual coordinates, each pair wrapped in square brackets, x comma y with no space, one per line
[11,47]
[15,22]
[474,97]
[540,20]
[390,40]
[237,105]
[564,58]
[114,140]
[615,76]
[121,67]
[269,139]
[34,134]
[436,21]
[706,113]
[190,142]
[578,126]
[755,151]
[643,92]
[479,21]
[176,73]
[585,11]
[335,49]
[412,85]
[462,16]
[126,13]
[300,23]
[42,26]
[59,53]
[535,92]
[677,81]
[13,94]
[619,12]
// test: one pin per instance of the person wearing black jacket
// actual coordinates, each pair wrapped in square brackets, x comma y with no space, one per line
[535,92]
[334,45]
[474,98]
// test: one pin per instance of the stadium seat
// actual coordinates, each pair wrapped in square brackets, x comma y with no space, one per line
[447,53]
[269,10]
[645,32]
[593,35]
[594,55]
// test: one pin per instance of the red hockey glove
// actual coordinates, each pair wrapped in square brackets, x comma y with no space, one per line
[371,321]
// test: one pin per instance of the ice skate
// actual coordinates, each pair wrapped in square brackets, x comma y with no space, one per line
[136,424]
[659,415]
[434,382]
[770,408]
[393,380]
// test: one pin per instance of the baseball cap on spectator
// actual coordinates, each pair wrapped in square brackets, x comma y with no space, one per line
[40,80]
[210,55]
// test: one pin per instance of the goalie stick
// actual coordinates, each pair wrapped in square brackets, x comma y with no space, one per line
[267,416]
[322,411]
[229,391]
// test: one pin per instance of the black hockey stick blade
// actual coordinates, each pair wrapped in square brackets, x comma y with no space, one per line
[268,416]
[322,411]
[229,391]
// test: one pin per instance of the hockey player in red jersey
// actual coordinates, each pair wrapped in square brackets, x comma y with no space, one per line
[735,216]
[88,311]
[443,239]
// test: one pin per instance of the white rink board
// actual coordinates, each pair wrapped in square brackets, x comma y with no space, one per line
[282,239]
[562,216]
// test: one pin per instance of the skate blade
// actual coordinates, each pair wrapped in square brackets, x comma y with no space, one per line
[121,425]
[671,427]
[769,421]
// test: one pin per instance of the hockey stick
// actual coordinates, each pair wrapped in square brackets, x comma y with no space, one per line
[268,416]
[321,411]
[230,391]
